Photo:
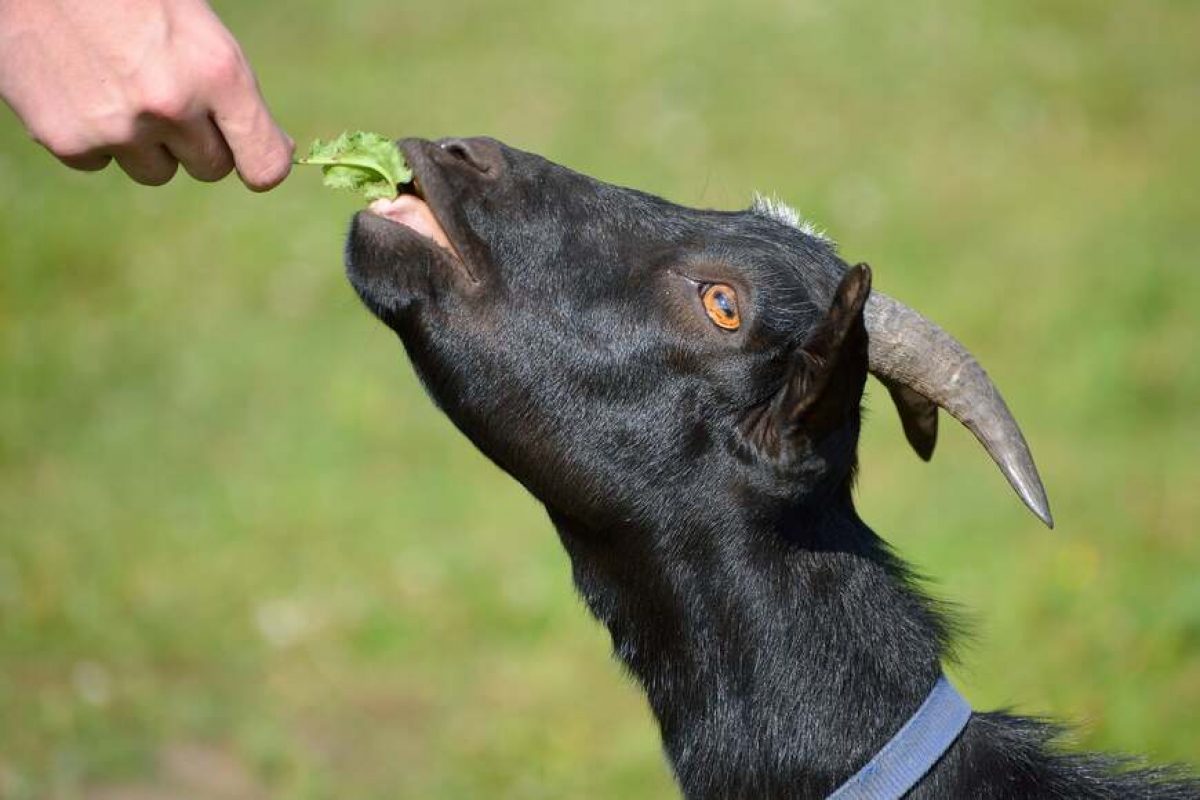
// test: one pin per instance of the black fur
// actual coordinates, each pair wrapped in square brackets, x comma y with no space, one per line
[699,479]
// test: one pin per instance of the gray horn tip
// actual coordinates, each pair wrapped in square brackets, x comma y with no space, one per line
[1041,510]
[1029,488]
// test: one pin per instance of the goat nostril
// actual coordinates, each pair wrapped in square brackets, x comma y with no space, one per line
[473,152]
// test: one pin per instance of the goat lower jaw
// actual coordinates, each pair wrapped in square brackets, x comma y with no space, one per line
[412,212]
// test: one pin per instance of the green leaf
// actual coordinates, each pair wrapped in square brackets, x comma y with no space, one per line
[361,162]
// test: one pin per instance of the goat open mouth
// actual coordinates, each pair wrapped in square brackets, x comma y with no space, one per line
[410,209]
[420,207]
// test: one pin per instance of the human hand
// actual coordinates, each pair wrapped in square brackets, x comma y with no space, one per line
[150,83]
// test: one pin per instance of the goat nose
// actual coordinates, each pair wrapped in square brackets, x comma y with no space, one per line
[481,153]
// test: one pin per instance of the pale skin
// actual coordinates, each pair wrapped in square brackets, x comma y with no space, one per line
[151,84]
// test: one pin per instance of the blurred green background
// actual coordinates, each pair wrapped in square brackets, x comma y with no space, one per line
[242,556]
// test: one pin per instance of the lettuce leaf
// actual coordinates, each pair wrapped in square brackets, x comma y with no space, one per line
[360,162]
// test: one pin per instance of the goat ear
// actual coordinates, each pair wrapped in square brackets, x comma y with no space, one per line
[825,380]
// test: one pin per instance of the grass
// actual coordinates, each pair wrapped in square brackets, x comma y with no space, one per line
[230,520]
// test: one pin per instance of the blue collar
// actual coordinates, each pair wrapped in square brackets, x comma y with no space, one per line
[914,749]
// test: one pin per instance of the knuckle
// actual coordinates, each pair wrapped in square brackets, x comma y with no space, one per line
[223,67]
[117,131]
[61,143]
[165,102]
[100,128]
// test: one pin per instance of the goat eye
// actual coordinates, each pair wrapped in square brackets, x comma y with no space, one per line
[720,303]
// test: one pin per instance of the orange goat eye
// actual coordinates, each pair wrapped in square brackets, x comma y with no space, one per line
[720,303]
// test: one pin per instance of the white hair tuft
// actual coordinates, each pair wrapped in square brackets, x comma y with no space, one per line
[776,209]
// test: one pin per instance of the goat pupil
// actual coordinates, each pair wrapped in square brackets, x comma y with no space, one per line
[724,304]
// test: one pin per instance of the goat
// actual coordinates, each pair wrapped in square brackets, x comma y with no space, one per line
[681,389]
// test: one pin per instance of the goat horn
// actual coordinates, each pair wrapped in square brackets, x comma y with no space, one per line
[910,351]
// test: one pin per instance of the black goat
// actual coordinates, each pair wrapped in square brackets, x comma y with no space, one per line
[681,389]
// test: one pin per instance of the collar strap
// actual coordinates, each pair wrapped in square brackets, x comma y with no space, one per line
[913,751]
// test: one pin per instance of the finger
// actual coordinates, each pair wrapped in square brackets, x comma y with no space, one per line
[73,149]
[88,162]
[199,146]
[150,164]
[261,150]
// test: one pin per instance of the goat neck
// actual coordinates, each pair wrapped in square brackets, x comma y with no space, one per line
[777,659]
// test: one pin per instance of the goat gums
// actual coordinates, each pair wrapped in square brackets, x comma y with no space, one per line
[681,389]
